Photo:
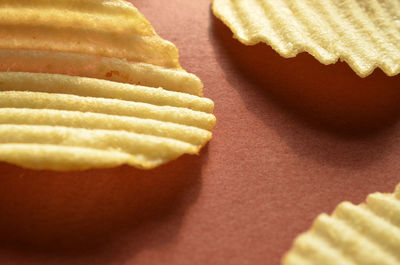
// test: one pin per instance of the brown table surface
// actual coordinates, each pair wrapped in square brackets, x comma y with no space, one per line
[293,139]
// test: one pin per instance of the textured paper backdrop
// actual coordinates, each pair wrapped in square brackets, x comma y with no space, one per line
[293,139]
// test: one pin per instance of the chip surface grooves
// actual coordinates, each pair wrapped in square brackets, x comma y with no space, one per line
[92,138]
[365,234]
[362,33]
[386,207]
[89,83]
[90,87]
[138,147]
[70,111]
[97,32]
[120,7]
[63,19]
[109,44]
[381,232]
[85,120]
[320,248]
[113,69]
[37,100]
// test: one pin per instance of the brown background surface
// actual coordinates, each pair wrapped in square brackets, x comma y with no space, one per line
[293,139]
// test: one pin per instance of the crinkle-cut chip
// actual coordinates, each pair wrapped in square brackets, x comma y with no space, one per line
[91,87]
[140,148]
[76,119]
[110,28]
[117,16]
[89,84]
[365,234]
[113,69]
[365,34]
[144,126]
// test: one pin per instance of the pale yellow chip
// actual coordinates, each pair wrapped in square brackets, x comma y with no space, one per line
[88,84]
[365,234]
[365,34]
[113,69]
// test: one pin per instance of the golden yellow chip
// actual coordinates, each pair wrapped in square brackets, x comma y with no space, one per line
[365,34]
[365,234]
[112,28]
[90,84]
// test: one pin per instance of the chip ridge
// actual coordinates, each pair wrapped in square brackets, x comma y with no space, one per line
[329,30]
[368,233]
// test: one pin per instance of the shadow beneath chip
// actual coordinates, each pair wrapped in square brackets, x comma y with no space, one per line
[335,131]
[83,213]
[330,98]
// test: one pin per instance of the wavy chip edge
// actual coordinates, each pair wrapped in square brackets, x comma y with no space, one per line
[101,86]
[368,233]
[345,31]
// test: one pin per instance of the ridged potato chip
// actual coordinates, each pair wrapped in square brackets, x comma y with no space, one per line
[365,234]
[365,34]
[101,68]
[84,27]
[89,83]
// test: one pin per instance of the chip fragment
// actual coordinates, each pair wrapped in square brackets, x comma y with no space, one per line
[89,83]
[365,234]
[365,34]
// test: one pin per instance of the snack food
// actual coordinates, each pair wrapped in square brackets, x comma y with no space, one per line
[365,34]
[365,234]
[90,84]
